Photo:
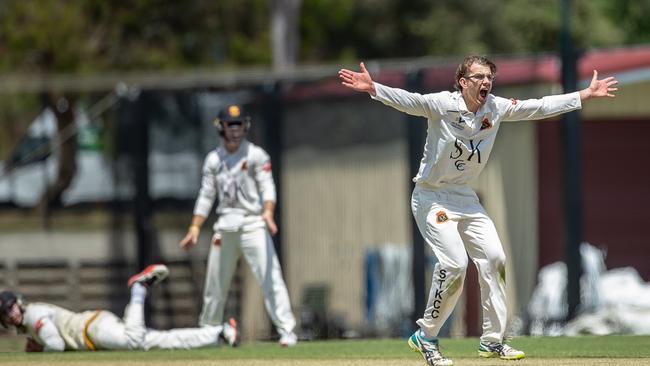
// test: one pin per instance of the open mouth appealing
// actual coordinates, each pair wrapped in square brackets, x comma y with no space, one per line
[483,93]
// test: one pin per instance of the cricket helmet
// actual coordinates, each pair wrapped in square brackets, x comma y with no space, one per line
[232,113]
[7,300]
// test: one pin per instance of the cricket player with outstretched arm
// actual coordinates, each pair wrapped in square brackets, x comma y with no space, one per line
[462,127]
[51,328]
[239,174]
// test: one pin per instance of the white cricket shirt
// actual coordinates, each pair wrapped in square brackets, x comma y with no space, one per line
[49,324]
[242,180]
[459,142]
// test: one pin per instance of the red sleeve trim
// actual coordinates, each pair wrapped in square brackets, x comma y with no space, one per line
[38,325]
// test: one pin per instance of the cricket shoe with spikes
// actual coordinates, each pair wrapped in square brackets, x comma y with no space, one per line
[289,339]
[501,350]
[150,276]
[230,333]
[429,349]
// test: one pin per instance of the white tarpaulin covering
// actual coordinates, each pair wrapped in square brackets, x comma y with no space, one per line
[612,302]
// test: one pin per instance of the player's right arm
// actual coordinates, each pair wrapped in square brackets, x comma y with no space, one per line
[412,103]
[42,330]
[50,338]
[32,345]
[204,201]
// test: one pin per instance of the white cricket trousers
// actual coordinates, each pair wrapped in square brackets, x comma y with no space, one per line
[112,333]
[257,248]
[455,225]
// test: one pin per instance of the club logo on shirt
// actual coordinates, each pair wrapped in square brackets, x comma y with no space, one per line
[514,101]
[441,217]
[459,149]
[266,167]
[485,124]
[458,124]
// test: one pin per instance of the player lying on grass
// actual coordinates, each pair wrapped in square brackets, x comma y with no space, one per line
[52,328]
[462,128]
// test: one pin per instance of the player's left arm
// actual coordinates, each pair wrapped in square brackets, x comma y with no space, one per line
[268,217]
[553,105]
[264,179]
[358,81]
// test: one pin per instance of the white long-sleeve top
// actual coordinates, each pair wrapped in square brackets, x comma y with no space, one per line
[459,142]
[55,328]
[242,180]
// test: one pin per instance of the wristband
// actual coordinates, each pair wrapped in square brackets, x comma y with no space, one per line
[194,226]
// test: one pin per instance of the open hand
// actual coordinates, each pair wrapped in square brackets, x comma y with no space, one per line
[600,88]
[359,81]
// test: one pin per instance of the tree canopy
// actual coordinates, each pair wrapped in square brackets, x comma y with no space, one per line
[85,36]
[82,37]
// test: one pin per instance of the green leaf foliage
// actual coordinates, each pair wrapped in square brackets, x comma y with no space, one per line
[85,36]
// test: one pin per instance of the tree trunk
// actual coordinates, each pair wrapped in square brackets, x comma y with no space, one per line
[66,143]
[284,33]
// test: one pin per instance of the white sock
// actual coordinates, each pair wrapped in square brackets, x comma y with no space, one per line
[138,293]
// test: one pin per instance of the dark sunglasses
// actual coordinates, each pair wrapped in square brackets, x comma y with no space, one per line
[233,124]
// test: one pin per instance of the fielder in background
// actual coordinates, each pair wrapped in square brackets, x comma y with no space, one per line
[239,172]
[462,127]
[51,328]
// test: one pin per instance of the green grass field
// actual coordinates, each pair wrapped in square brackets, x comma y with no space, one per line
[609,350]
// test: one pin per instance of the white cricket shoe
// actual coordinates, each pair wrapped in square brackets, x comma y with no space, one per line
[429,349]
[288,339]
[230,333]
[150,276]
[501,350]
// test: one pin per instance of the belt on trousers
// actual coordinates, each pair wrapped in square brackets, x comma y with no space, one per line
[87,340]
